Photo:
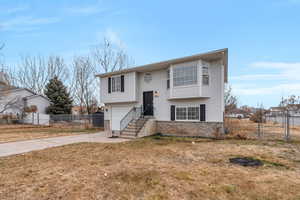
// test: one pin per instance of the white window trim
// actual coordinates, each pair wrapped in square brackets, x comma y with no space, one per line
[205,74]
[185,66]
[111,85]
[187,120]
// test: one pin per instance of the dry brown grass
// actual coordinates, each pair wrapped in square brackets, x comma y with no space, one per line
[154,168]
[246,129]
[12,133]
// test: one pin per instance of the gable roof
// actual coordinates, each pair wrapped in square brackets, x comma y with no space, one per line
[221,54]
[33,94]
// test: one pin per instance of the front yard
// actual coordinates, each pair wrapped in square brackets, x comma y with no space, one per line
[12,133]
[154,168]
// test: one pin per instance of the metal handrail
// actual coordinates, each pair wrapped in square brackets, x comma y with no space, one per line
[134,113]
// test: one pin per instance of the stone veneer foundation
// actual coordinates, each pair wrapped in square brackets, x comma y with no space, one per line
[190,129]
[176,128]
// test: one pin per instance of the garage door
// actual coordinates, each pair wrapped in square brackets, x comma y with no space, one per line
[118,112]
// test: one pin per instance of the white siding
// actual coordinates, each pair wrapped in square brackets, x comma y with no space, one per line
[211,95]
[129,94]
[40,102]
[116,113]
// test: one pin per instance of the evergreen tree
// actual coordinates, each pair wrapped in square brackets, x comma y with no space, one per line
[59,97]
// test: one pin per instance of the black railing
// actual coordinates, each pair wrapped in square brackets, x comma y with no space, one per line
[134,114]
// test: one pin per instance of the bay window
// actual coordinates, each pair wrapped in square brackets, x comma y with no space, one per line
[185,75]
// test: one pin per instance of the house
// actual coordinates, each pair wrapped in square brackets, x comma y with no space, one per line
[183,97]
[293,109]
[240,113]
[14,100]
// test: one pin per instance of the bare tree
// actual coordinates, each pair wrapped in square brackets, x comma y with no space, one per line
[2,46]
[34,72]
[231,101]
[1,61]
[57,67]
[83,84]
[109,57]
[15,103]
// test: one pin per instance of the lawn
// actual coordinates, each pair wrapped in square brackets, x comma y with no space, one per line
[154,168]
[12,133]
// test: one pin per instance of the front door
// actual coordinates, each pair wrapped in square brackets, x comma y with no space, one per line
[148,103]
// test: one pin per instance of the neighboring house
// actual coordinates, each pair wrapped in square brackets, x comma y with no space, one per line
[238,113]
[275,111]
[294,110]
[235,115]
[16,99]
[183,96]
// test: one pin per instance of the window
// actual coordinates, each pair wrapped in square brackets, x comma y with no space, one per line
[185,75]
[168,79]
[205,75]
[116,84]
[181,113]
[187,113]
[193,113]
[148,77]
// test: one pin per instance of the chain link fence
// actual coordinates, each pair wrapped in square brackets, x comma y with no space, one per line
[282,125]
[64,121]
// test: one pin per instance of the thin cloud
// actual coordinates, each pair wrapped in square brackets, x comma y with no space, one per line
[291,88]
[276,65]
[112,36]
[85,10]
[26,22]
[280,71]
[13,10]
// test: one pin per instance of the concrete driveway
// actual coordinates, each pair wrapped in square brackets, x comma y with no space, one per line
[13,148]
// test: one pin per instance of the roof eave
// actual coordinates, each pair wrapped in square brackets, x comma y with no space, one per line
[175,61]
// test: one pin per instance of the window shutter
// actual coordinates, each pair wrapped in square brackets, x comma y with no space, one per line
[109,84]
[202,113]
[122,83]
[172,113]
[168,83]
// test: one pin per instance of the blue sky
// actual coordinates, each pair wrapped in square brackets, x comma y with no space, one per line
[263,36]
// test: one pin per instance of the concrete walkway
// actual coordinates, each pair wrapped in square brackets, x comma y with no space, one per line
[13,148]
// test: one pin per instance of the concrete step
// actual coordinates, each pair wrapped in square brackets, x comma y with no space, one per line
[126,134]
[137,122]
[127,137]
[129,130]
[131,126]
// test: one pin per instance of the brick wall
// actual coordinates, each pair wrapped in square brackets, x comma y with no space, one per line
[190,129]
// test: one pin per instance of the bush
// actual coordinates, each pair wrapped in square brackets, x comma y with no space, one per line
[258,117]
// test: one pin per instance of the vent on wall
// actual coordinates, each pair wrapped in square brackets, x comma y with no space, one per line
[148,77]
